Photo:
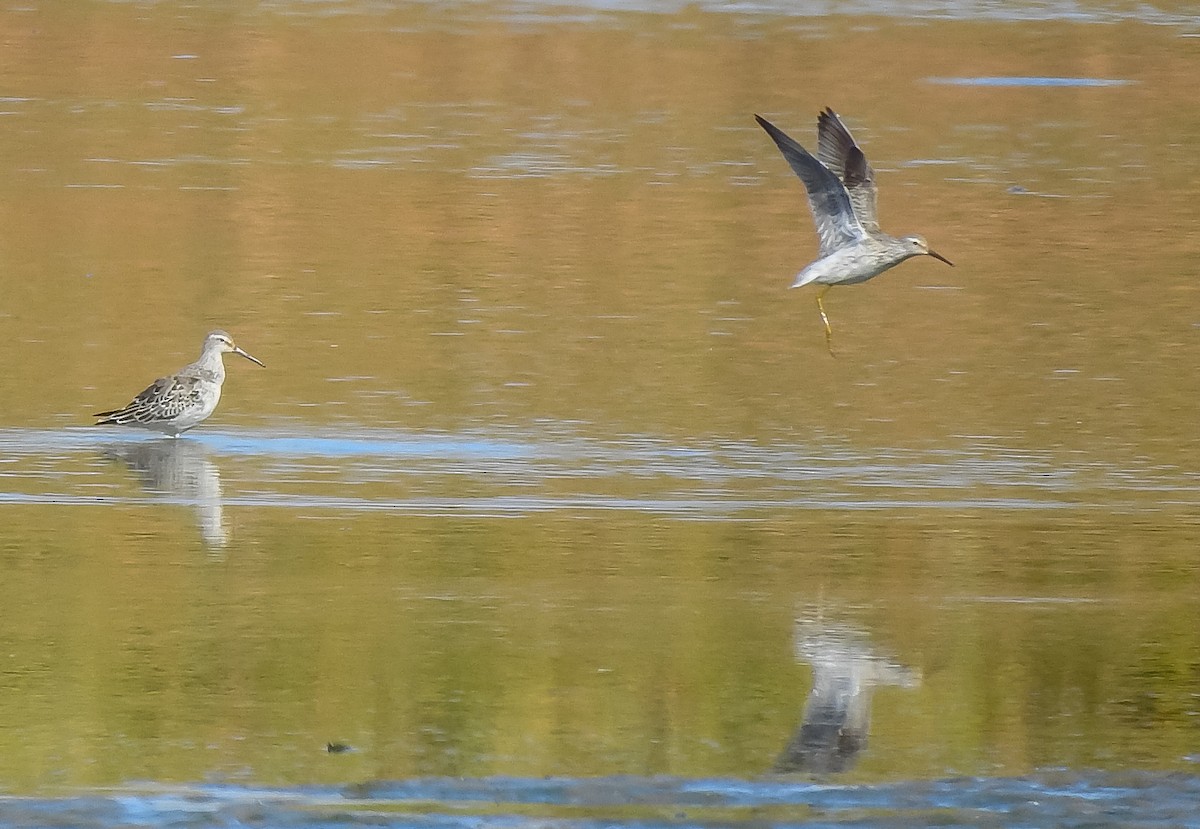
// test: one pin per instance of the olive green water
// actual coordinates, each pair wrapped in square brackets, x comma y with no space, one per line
[548,472]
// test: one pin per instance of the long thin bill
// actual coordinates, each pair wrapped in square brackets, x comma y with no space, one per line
[932,253]
[260,362]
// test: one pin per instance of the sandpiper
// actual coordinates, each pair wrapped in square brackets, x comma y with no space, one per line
[174,404]
[841,195]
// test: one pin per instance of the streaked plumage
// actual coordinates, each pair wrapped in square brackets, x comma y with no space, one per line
[841,195]
[174,404]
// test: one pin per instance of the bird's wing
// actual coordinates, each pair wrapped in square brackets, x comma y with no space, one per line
[162,400]
[832,211]
[837,151]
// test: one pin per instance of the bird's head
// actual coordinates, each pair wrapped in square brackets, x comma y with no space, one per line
[222,343]
[917,246]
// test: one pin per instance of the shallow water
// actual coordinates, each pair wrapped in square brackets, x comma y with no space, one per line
[1066,799]
[550,505]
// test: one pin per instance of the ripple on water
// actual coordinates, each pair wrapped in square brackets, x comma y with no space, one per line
[1066,799]
[512,472]
[1030,81]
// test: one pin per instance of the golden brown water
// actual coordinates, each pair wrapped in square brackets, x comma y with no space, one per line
[549,473]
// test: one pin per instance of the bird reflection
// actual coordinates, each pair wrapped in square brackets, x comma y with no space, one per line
[837,713]
[180,468]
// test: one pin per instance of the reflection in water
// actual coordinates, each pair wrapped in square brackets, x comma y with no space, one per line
[180,468]
[837,714]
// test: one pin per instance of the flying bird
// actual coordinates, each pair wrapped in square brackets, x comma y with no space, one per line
[841,195]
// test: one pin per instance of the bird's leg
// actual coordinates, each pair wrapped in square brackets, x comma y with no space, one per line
[825,319]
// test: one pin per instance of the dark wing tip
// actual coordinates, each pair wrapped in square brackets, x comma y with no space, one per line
[781,138]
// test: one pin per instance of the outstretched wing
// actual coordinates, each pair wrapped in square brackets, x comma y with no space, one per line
[832,211]
[837,151]
[165,399]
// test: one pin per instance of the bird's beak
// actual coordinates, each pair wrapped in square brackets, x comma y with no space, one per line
[932,253]
[237,350]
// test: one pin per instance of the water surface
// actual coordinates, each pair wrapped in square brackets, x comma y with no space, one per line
[551,505]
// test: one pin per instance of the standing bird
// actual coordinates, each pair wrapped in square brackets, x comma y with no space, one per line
[841,195]
[174,404]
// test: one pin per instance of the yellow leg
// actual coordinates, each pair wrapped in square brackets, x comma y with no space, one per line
[825,319]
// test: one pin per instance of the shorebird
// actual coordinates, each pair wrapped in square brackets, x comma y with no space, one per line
[174,404]
[841,195]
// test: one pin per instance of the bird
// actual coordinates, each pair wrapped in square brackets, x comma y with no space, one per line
[841,195]
[173,404]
